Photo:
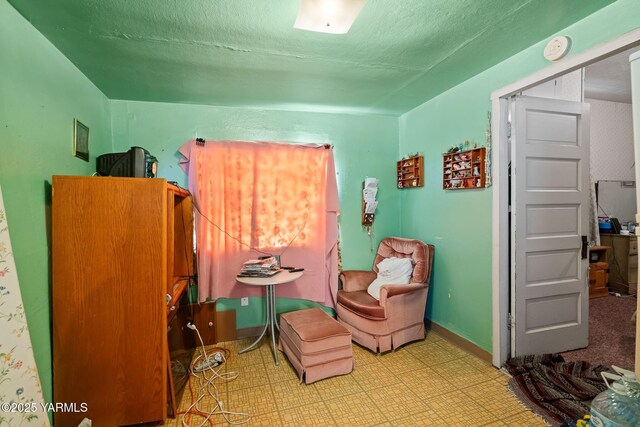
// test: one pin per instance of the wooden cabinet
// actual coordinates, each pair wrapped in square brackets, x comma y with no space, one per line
[410,172]
[623,262]
[464,169]
[598,271]
[122,258]
[180,265]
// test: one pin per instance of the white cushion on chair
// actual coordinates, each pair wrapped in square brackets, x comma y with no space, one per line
[391,271]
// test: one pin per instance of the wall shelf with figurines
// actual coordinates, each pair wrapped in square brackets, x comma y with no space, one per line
[464,170]
[410,172]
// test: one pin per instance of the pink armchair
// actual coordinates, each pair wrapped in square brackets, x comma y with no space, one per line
[398,318]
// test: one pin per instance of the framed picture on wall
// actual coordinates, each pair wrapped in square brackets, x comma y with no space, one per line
[80,140]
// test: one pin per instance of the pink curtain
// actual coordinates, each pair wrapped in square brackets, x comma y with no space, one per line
[257,198]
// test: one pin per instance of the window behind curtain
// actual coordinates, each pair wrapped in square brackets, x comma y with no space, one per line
[257,198]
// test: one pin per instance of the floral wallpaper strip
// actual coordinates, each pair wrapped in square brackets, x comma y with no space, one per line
[21,400]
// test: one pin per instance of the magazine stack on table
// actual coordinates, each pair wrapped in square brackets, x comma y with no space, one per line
[267,267]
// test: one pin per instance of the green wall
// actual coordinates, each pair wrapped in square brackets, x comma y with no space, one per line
[41,93]
[458,223]
[363,146]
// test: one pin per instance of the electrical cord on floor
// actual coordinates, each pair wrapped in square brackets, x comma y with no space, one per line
[178,368]
[209,365]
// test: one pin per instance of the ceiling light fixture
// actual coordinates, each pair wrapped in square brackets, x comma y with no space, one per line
[328,16]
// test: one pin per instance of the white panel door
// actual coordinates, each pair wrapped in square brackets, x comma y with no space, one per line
[550,202]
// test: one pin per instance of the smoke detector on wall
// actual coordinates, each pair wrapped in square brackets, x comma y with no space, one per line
[557,48]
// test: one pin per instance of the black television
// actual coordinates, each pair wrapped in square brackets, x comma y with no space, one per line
[137,162]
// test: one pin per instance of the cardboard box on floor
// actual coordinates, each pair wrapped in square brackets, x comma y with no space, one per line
[598,279]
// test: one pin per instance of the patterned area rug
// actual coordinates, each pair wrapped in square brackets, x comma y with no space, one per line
[556,390]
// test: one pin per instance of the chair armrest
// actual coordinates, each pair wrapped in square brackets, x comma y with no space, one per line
[356,280]
[388,291]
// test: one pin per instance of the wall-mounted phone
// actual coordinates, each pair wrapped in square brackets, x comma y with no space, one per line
[369,202]
[367,219]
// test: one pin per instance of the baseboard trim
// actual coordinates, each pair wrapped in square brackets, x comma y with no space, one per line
[443,332]
[458,341]
[253,331]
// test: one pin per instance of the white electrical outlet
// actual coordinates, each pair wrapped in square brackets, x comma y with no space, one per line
[244,301]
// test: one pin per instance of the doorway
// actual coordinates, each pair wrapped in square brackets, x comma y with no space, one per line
[607,90]
[501,232]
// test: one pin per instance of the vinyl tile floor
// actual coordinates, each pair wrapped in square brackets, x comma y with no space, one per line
[424,383]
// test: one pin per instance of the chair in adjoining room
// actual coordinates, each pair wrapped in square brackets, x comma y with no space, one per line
[398,316]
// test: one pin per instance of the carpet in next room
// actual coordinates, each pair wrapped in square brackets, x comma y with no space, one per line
[612,334]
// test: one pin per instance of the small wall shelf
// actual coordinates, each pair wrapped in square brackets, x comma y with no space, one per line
[410,172]
[464,170]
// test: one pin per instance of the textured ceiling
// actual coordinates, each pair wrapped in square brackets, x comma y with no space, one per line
[398,54]
[610,79]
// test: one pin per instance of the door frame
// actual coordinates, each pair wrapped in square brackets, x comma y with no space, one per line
[500,256]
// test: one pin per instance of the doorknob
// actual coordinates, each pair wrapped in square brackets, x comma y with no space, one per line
[585,247]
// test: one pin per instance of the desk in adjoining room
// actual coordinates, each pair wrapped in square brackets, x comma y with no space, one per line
[623,262]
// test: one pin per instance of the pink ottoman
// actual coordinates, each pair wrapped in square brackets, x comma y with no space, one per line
[317,346]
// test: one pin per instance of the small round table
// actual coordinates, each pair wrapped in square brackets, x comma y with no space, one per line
[269,283]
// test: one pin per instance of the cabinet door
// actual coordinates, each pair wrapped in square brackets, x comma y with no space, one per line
[109,277]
